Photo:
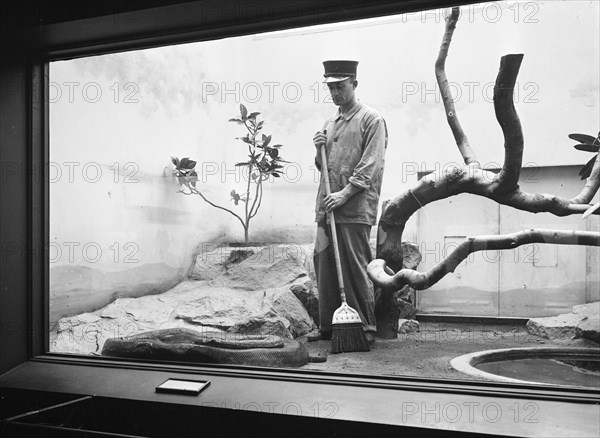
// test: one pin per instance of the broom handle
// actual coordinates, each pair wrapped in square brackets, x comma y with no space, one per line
[336,251]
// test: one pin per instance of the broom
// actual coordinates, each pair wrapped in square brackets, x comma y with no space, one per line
[347,333]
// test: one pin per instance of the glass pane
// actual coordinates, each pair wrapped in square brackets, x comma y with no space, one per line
[183,183]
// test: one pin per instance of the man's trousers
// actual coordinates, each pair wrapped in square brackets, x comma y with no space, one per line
[355,255]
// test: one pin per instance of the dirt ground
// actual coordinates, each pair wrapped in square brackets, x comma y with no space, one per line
[428,352]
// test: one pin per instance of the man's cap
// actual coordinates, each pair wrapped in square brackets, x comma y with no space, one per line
[336,71]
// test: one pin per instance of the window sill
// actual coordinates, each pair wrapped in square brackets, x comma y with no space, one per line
[302,401]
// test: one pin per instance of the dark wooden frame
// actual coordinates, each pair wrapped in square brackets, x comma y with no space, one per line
[27,49]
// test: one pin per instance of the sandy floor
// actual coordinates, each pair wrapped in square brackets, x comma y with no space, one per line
[428,352]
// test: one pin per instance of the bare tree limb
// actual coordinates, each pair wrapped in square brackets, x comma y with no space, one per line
[471,178]
[423,280]
[508,178]
[468,179]
[440,72]
[258,196]
[197,192]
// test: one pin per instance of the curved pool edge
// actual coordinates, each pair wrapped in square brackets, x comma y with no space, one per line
[467,362]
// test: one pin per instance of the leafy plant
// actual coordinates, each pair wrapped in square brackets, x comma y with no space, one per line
[587,143]
[264,161]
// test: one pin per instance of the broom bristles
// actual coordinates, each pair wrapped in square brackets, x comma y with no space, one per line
[348,337]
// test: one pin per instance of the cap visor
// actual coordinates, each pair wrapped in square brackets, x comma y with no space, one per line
[331,79]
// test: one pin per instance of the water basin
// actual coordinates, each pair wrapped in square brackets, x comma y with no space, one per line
[539,365]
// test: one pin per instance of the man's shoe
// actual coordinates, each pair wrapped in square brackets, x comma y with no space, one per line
[370,337]
[319,335]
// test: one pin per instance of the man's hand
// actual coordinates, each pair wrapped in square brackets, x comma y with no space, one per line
[319,140]
[335,200]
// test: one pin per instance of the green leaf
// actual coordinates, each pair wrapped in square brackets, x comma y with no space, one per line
[582,138]
[243,111]
[266,140]
[586,170]
[246,163]
[175,161]
[245,139]
[186,163]
[235,197]
[277,146]
[253,115]
[587,147]
[183,163]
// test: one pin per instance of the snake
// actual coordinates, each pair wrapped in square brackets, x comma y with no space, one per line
[182,344]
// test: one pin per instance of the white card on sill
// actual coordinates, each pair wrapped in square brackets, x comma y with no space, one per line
[179,386]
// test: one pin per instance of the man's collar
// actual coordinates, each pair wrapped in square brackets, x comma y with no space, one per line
[350,113]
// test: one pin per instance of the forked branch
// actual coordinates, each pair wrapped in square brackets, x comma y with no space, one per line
[440,73]
[471,178]
[424,280]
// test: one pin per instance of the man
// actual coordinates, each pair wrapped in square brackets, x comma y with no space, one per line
[355,139]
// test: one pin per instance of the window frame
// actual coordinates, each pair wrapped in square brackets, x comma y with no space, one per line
[173,25]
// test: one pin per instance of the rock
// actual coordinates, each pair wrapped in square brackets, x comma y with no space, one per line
[205,271]
[213,260]
[317,356]
[405,300]
[261,290]
[583,321]
[308,296]
[589,328]
[306,254]
[223,308]
[261,325]
[217,307]
[589,309]
[408,326]
[285,304]
[239,255]
[269,267]
[411,256]
[406,309]
[76,334]
[191,304]
[554,327]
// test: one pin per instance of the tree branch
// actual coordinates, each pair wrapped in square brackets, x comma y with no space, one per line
[508,178]
[440,72]
[196,192]
[592,184]
[423,280]
[259,195]
[252,210]
[471,179]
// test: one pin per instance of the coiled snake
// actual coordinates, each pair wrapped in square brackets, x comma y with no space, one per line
[181,344]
